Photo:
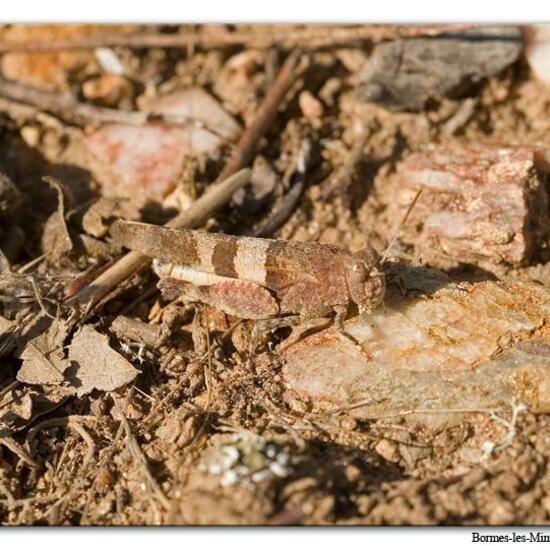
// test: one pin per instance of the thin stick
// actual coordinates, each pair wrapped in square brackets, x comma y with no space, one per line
[292,69]
[434,411]
[18,111]
[66,106]
[401,224]
[212,200]
[138,454]
[312,37]
[17,449]
[27,102]
[277,220]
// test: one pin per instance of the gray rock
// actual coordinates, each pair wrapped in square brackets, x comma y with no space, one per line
[405,74]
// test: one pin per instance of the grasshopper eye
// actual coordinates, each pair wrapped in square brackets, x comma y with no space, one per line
[358,267]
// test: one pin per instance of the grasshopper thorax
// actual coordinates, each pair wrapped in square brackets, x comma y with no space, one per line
[365,279]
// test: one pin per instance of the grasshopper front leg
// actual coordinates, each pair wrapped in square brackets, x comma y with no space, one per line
[339,319]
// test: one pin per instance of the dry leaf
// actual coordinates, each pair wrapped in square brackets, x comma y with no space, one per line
[56,241]
[95,365]
[43,356]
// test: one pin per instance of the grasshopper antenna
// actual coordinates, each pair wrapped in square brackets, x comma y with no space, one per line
[400,226]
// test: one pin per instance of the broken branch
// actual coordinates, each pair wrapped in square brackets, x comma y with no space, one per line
[26,102]
[212,200]
[286,38]
[290,201]
[66,106]
[294,66]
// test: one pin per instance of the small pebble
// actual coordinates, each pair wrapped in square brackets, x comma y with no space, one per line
[229,478]
[261,475]
[310,106]
[388,450]
[278,470]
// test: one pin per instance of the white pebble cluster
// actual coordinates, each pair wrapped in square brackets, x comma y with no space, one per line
[246,459]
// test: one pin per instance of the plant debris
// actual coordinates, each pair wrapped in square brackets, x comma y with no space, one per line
[120,405]
[43,355]
[95,365]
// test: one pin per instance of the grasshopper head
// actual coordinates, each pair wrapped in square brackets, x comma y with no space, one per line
[365,279]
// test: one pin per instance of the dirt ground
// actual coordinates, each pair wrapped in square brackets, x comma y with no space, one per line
[188,426]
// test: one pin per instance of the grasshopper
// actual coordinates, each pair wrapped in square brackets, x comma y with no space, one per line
[255,278]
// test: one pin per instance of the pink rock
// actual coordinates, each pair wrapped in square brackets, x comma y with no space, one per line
[484,205]
[144,162]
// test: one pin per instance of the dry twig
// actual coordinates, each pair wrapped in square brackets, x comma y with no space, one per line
[293,67]
[138,455]
[213,199]
[290,201]
[26,102]
[66,106]
[317,37]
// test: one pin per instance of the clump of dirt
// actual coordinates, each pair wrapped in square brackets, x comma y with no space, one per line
[138,409]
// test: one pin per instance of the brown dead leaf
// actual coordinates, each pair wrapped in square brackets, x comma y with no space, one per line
[56,241]
[43,356]
[95,365]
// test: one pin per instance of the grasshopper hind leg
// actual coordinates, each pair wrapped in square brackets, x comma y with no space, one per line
[232,296]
